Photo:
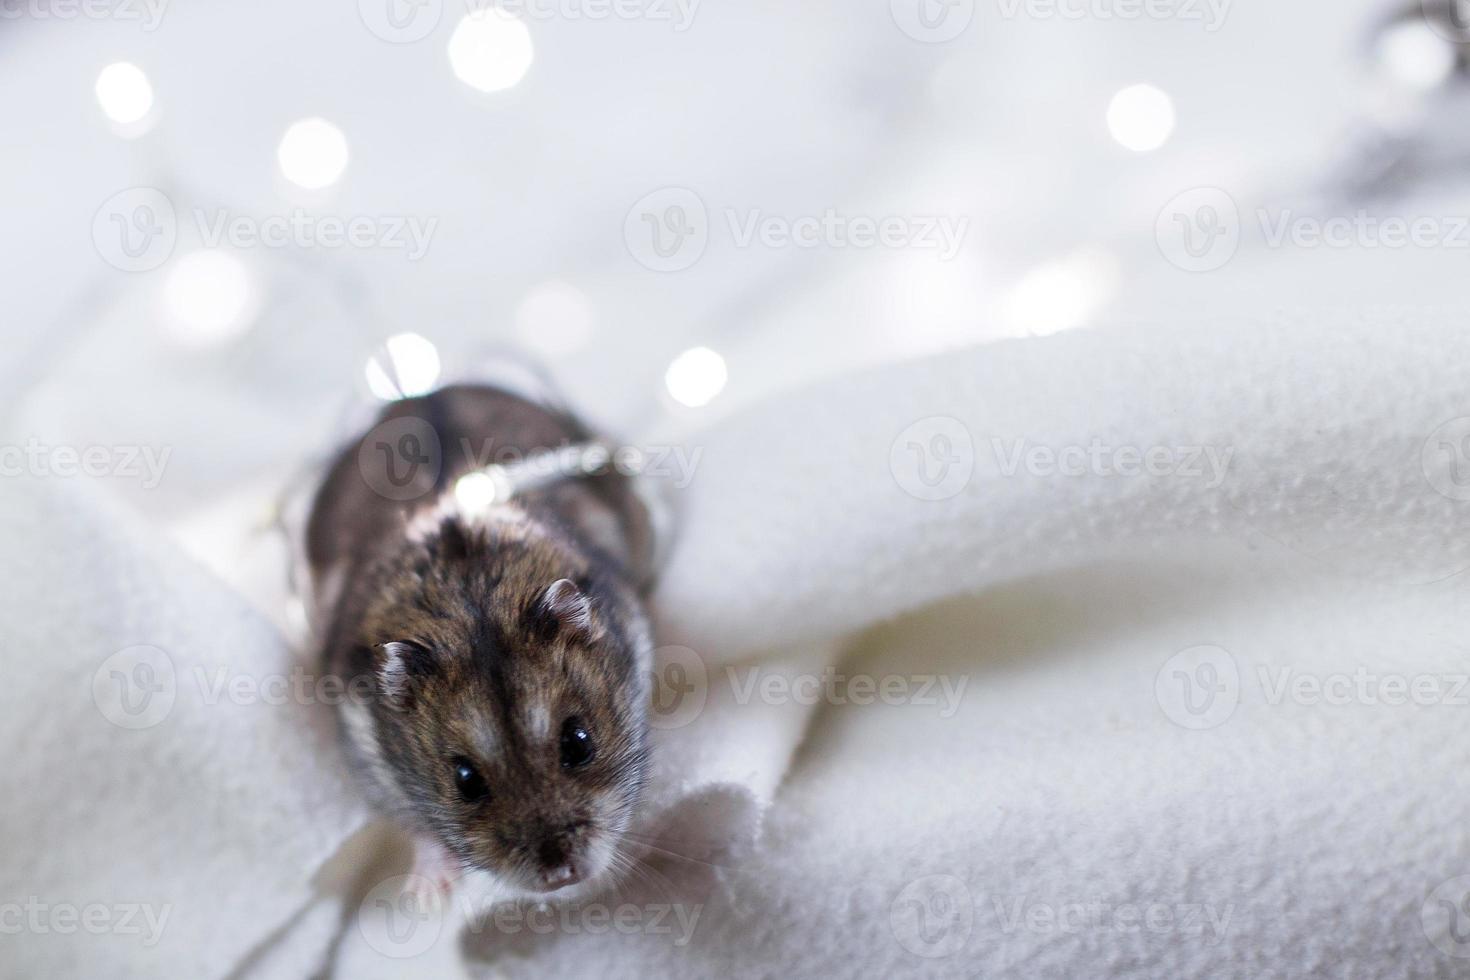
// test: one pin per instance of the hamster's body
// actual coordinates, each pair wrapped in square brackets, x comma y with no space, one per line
[504,644]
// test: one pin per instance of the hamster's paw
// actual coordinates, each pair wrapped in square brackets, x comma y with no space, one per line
[434,873]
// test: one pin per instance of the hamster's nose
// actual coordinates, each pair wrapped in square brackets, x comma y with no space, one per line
[560,876]
[557,868]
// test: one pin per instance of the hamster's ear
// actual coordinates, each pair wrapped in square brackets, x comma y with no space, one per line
[564,608]
[400,666]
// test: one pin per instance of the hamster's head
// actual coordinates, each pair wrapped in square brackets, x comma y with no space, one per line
[511,707]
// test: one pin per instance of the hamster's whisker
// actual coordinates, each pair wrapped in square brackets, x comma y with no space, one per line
[650,845]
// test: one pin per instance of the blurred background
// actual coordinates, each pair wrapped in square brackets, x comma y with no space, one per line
[233,227]
[227,221]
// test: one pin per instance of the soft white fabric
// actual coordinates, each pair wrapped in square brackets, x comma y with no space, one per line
[211,818]
[1038,818]
[1063,822]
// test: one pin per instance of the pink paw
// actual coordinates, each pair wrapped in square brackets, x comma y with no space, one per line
[433,875]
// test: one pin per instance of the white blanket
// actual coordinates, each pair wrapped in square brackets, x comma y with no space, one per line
[1178,684]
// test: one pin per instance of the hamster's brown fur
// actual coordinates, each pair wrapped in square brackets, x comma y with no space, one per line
[485,638]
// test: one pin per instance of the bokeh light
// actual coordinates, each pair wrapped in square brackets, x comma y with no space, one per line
[696,376]
[313,153]
[1415,56]
[405,366]
[490,49]
[209,298]
[1061,294]
[1141,117]
[124,93]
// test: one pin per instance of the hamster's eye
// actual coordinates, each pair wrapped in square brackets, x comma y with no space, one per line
[576,745]
[468,781]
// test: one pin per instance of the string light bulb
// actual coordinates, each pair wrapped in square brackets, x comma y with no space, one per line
[696,376]
[405,366]
[313,153]
[1141,117]
[124,93]
[490,49]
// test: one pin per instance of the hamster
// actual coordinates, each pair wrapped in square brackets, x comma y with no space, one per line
[503,648]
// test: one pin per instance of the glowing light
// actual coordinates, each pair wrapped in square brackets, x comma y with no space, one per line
[1141,117]
[555,318]
[1061,295]
[696,376]
[313,153]
[490,49]
[475,492]
[208,297]
[406,366]
[124,93]
[1414,55]
[935,300]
